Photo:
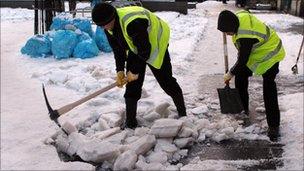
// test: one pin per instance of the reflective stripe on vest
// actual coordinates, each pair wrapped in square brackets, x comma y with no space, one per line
[157,50]
[268,56]
[267,51]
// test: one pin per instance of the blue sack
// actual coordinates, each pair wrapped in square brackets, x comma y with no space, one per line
[37,46]
[82,36]
[63,44]
[94,2]
[102,41]
[83,25]
[59,23]
[86,49]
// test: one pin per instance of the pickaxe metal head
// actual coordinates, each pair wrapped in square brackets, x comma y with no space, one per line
[54,115]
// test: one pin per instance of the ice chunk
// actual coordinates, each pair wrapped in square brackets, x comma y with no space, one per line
[143,144]
[201,137]
[112,119]
[69,128]
[117,138]
[131,139]
[141,131]
[157,157]
[152,116]
[166,127]
[162,109]
[202,123]
[104,134]
[103,125]
[183,142]
[200,110]
[218,137]
[98,151]
[185,132]
[228,131]
[165,145]
[126,161]
[76,141]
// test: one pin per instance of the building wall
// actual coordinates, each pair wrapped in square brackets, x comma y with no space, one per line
[294,7]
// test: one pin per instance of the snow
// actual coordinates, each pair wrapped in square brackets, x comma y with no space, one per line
[25,124]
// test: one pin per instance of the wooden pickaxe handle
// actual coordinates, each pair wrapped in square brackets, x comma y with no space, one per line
[71,106]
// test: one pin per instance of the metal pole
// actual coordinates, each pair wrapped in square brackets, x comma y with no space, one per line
[36,17]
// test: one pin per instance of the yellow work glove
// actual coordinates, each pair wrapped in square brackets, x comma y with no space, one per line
[120,79]
[227,77]
[131,77]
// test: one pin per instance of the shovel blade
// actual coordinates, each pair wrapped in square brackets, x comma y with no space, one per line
[230,100]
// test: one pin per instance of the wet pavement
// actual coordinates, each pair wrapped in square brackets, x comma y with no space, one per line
[267,154]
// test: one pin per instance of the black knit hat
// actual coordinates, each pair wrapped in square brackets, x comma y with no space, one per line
[103,13]
[228,22]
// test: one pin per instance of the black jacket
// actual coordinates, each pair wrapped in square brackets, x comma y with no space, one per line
[137,30]
[245,48]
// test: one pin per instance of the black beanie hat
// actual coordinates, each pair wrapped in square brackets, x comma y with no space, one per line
[228,22]
[103,13]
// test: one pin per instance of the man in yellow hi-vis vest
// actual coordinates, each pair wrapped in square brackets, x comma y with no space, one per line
[259,51]
[138,38]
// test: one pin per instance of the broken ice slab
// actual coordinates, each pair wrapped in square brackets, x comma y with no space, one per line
[166,128]
[143,144]
[126,161]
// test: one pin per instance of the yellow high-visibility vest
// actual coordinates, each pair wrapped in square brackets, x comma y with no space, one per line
[158,30]
[268,51]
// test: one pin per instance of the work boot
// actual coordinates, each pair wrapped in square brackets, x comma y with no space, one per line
[180,105]
[273,133]
[131,107]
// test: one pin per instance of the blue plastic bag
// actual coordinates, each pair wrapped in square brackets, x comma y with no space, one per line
[63,43]
[102,41]
[94,2]
[83,25]
[86,49]
[61,23]
[37,46]
[82,36]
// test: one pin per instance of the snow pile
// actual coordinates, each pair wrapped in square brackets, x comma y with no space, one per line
[292,131]
[16,15]
[280,21]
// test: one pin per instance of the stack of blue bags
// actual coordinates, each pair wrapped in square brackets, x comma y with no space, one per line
[68,38]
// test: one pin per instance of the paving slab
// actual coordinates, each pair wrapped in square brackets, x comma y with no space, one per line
[267,154]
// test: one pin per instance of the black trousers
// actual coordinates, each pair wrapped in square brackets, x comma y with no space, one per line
[166,81]
[269,93]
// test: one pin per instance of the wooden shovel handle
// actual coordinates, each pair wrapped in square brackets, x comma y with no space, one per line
[225,52]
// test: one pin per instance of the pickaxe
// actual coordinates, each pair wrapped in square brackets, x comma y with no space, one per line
[55,114]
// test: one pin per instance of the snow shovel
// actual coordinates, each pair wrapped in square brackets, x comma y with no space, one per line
[230,101]
[294,69]
[55,114]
